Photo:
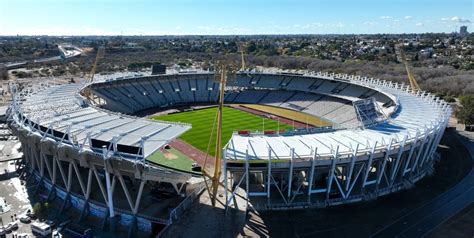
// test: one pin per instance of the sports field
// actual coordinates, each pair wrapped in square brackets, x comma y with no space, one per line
[290,114]
[233,120]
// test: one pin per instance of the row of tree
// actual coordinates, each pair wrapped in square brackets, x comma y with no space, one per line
[466,113]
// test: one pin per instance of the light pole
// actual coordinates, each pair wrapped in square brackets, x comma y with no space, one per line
[278,125]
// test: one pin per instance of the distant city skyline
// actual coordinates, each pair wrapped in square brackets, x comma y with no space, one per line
[226,17]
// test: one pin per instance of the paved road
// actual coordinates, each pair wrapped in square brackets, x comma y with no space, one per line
[65,53]
[433,213]
[42,60]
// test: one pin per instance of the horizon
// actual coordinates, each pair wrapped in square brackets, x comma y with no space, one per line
[224,18]
[246,35]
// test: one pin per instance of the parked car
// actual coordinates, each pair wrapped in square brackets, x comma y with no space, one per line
[11,226]
[3,231]
[25,219]
[31,215]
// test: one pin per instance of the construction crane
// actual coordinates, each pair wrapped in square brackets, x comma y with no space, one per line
[99,55]
[86,92]
[413,84]
[223,71]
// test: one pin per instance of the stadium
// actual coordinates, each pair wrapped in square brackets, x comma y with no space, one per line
[295,140]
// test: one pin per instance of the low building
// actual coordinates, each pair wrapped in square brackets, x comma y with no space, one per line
[463,31]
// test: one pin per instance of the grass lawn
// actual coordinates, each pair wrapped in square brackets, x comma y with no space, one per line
[290,114]
[172,158]
[233,120]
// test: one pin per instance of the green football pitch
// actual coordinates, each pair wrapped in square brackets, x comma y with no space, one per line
[233,120]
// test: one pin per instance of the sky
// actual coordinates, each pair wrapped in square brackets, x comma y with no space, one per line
[228,17]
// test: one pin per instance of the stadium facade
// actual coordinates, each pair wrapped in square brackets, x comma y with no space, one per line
[86,151]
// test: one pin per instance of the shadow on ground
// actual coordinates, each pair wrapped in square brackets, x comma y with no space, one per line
[363,219]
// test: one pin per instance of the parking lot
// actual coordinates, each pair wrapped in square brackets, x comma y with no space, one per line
[14,199]
[19,196]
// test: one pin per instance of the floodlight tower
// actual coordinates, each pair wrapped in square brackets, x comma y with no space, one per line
[223,71]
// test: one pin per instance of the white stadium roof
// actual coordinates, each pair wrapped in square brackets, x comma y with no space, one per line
[416,115]
[59,107]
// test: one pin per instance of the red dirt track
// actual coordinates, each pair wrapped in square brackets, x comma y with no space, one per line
[193,153]
[273,117]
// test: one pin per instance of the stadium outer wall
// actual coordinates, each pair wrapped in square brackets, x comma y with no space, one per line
[73,175]
[270,182]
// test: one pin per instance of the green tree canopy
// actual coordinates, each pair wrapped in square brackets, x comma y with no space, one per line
[466,115]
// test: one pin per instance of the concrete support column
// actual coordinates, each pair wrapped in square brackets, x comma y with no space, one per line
[110,191]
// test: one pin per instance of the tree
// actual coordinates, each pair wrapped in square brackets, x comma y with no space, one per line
[37,208]
[251,47]
[466,114]
[3,73]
